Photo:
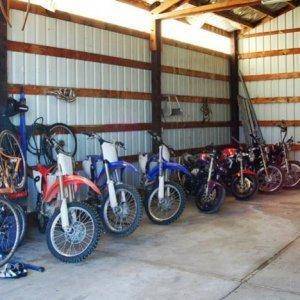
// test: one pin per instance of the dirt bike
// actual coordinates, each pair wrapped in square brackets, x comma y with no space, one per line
[165,199]
[279,155]
[202,184]
[72,228]
[121,204]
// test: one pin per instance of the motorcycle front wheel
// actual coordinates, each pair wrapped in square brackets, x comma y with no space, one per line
[126,217]
[80,239]
[244,190]
[291,179]
[212,201]
[272,182]
[169,209]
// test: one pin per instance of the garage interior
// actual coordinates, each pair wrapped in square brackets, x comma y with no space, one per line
[173,67]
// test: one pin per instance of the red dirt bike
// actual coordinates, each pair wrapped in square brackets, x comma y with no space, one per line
[279,155]
[72,228]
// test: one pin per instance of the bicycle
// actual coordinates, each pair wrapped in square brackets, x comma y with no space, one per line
[37,134]
[9,230]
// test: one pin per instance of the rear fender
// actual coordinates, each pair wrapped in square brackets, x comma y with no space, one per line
[69,180]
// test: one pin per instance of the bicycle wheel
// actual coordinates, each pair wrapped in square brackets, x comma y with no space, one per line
[64,136]
[9,231]
[15,161]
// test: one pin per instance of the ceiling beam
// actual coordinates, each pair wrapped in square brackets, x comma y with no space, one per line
[207,27]
[165,6]
[215,7]
[265,10]
[235,18]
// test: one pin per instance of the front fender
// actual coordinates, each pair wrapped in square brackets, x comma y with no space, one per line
[69,180]
[121,164]
[171,166]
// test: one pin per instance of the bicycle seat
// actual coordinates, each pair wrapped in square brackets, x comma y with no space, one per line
[14,107]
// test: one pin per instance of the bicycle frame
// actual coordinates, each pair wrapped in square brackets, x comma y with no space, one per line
[4,171]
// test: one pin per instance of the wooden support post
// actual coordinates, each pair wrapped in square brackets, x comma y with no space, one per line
[3,61]
[234,86]
[155,47]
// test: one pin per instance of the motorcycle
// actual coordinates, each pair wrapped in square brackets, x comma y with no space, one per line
[165,199]
[72,228]
[121,205]
[278,155]
[231,171]
[202,184]
[270,177]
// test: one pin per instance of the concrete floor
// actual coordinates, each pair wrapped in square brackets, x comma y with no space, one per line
[250,250]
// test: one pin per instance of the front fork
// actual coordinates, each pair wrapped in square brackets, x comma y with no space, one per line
[242,173]
[210,170]
[111,188]
[286,160]
[264,161]
[161,177]
[64,205]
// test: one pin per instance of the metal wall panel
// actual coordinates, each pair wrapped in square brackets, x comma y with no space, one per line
[51,71]
[194,86]
[273,65]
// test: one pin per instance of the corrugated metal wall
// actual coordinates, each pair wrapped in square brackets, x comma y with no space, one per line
[32,69]
[276,97]
[201,87]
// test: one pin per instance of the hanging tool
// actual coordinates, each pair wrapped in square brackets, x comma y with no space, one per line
[65,94]
[26,14]
[248,114]
[206,111]
[169,110]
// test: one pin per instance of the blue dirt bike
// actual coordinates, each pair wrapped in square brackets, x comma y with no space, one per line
[165,199]
[121,204]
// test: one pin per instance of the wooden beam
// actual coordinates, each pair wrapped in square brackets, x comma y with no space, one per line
[265,10]
[234,86]
[215,7]
[264,77]
[272,32]
[156,97]
[3,61]
[195,124]
[270,53]
[165,6]
[235,18]
[111,94]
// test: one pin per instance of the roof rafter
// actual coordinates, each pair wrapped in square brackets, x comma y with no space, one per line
[215,7]
[235,18]
[265,10]
[166,5]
